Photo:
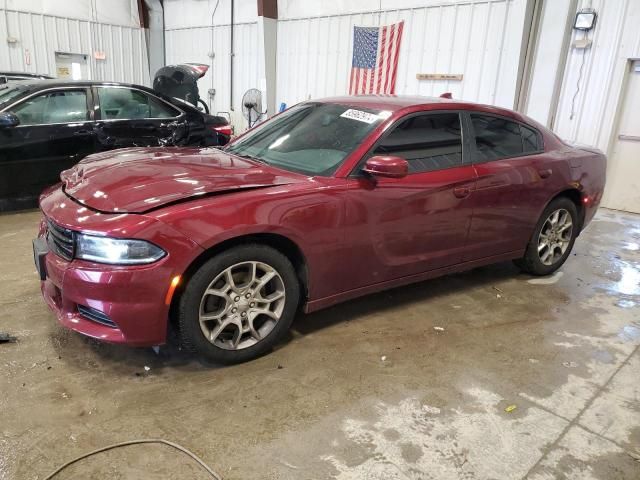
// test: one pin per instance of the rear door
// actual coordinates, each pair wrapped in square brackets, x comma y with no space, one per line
[55,133]
[515,178]
[129,117]
[407,226]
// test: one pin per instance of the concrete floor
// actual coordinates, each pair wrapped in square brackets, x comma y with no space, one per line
[372,389]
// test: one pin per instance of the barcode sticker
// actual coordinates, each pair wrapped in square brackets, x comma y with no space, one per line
[361,116]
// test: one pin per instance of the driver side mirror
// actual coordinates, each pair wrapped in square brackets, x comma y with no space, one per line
[386,166]
[8,119]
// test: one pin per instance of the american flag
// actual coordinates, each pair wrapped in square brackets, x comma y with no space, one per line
[375,59]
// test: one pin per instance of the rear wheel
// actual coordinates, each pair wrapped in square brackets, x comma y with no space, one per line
[552,239]
[239,304]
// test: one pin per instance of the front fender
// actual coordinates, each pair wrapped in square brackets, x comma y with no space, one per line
[313,222]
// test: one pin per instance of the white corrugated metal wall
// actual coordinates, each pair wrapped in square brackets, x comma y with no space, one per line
[38,37]
[480,39]
[194,44]
[589,100]
[199,31]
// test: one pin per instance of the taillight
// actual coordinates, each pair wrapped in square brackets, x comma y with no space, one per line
[224,129]
[201,68]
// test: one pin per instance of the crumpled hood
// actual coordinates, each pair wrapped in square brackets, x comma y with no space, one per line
[136,180]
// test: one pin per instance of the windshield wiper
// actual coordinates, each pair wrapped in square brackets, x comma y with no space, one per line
[249,157]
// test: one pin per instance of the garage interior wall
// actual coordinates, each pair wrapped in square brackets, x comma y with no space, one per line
[480,39]
[594,77]
[31,31]
[194,33]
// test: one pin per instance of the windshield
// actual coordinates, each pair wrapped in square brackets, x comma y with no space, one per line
[312,138]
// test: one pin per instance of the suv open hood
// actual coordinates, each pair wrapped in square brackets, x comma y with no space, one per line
[137,180]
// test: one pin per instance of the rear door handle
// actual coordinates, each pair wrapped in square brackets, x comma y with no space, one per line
[461,192]
[546,173]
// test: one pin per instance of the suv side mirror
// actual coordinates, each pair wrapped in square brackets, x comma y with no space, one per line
[8,119]
[386,166]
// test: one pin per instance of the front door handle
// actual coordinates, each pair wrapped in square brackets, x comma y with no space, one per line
[546,173]
[461,192]
[83,133]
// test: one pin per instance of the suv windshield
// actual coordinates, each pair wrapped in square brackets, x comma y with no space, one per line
[7,93]
[311,138]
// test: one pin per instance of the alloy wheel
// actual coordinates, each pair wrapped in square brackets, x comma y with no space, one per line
[555,236]
[242,305]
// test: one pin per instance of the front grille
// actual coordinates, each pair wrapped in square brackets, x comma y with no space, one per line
[60,240]
[96,316]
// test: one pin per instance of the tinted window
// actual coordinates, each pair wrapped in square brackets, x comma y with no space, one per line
[312,138]
[428,142]
[127,104]
[8,93]
[497,137]
[61,106]
[530,140]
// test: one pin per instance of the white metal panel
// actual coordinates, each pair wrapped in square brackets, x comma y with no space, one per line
[39,36]
[480,39]
[288,9]
[116,12]
[623,168]
[547,60]
[199,13]
[194,44]
[591,92]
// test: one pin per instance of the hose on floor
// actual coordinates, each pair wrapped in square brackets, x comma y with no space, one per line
[182,449]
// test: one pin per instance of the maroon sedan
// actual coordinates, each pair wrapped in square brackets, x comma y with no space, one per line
[330,200]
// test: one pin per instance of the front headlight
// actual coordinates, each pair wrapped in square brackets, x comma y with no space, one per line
[116,251]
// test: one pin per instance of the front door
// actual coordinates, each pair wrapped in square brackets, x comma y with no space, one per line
[128,117]
[623,168]
[55,133]
[401,227]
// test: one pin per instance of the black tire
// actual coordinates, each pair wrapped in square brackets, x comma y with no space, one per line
[192,335]
[531,262]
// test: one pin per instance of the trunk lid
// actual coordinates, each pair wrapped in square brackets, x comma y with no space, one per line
[180,81]
[137,180]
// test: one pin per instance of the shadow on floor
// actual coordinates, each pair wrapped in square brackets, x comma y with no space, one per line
[125,359]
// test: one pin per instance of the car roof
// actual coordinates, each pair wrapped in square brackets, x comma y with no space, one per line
[384,102]
[35,85]
[25,75]
[400,102]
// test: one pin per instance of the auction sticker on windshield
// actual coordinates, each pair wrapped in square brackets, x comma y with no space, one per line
[361,116]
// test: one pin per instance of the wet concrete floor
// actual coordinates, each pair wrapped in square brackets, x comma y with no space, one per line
[415,383]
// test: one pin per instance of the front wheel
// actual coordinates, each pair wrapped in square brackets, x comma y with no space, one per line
[552,240]
[239,304]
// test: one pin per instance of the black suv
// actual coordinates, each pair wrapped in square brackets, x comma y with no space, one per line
[48,126]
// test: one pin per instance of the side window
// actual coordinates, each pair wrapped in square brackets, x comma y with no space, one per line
[61,106]
[128,104]
[428,142]
[530,140]
[497,137]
